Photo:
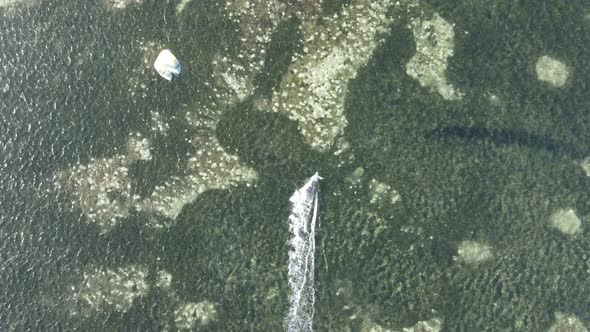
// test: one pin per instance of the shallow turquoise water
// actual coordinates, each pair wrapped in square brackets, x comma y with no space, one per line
[67,67]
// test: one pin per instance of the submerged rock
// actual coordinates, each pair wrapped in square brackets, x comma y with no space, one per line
[164,280]
[566,323]
[101,189]
[10,6]
[187,315]
[109,290]
[552,71]
[120,4]
[210,168]
[138,148]
[356,177]
[382,194]
[12,3]
[434,46]
[566,221]
[314,90]
[473,252]
[431,325]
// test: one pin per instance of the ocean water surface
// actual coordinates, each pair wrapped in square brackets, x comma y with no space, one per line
[453,139]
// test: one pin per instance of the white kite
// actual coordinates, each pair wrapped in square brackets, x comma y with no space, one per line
[166,64]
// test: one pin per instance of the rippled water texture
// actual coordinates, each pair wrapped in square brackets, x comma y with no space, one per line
[453,139]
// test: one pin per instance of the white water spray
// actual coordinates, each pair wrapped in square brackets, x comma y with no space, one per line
[302,222]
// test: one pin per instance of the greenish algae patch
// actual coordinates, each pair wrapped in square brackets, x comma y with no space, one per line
[453,189]
[383,263]
[285,43]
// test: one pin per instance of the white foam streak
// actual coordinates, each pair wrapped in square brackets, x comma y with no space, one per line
[301,256]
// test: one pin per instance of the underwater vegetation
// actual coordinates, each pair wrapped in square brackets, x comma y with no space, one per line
[450,137]
[500,137]
[490,169]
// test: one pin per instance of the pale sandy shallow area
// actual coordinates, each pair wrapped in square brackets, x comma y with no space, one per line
[120,4]
[567,221]
[435,42]
[116,291]
[7,3]
[552,71]
[10,5]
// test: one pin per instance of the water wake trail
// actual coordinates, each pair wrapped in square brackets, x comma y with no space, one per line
[302,222]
